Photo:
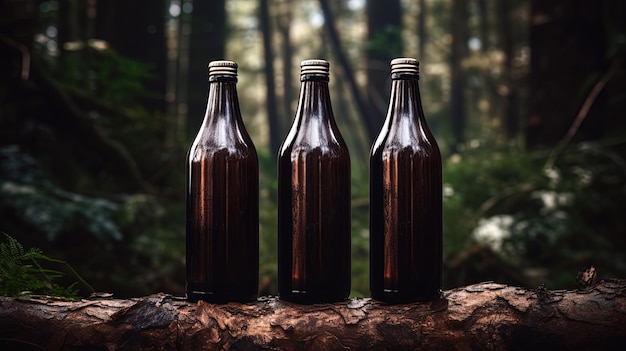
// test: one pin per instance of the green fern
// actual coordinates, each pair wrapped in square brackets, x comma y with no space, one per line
[21,272]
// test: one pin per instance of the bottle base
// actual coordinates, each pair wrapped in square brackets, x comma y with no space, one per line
[212,297]
[310,298]
[399,297]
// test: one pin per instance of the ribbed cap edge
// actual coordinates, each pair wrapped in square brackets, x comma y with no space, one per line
[405,65]
[314,66]
[223,67]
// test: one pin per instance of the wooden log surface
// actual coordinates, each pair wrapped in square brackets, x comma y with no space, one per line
[486,316]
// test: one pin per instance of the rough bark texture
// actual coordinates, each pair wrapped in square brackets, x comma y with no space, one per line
[485,316]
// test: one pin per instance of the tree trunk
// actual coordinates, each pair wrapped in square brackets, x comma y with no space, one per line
[568,53]
[508,88]
[137,31]
[483,34]
[485,316]
[270,84]
[458,52]
[206,43]
[372,123]
[18,20]
[178,80]
[421,30]
[69,34]
[384,37]
[284,28]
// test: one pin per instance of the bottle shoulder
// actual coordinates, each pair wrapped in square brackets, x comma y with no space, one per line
[210,143]
[303,150]
[397,150]
[405,137]
[314,136]
[199,152]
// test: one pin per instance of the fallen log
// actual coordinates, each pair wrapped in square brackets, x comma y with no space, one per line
[486,316]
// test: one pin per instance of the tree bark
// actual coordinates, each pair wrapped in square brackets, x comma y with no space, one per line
[483,316]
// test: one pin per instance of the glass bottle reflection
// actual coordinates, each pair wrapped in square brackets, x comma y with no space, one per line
[222,199]
[405,197]
[314,198]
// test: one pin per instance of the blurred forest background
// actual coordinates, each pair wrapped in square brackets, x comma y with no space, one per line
[99,101]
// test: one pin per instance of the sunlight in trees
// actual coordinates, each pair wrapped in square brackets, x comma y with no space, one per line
[117,88]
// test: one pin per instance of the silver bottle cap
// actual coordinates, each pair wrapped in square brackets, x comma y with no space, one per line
[314,67]
[222,67]
[405,65]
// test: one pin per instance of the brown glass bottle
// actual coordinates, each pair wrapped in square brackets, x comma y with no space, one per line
[314,198]
[405,197]
[222,199]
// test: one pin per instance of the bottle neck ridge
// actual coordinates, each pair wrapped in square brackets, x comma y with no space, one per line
[405,76]
[314,77]
[222,78]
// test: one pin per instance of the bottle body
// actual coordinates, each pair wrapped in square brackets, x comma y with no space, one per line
[314,216]
[405,202]
[222,230]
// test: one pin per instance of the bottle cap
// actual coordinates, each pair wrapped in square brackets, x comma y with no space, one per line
[405,65]
[222,67]
[314,67]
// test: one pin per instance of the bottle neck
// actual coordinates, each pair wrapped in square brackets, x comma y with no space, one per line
[314,101]
[314,120]
[223,101]
[405,123]
[405,100]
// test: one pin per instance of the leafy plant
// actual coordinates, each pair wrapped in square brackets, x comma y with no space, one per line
[22,271]
[27,192]
[535,224]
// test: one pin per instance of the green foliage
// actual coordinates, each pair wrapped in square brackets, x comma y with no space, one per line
[503,213]
[479,184]
[31,196]
[74,196]
[111,77]
[152,256]
[540,225]
[119,79]
[21,271]
[579,221]
[268,226]
[387,41]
